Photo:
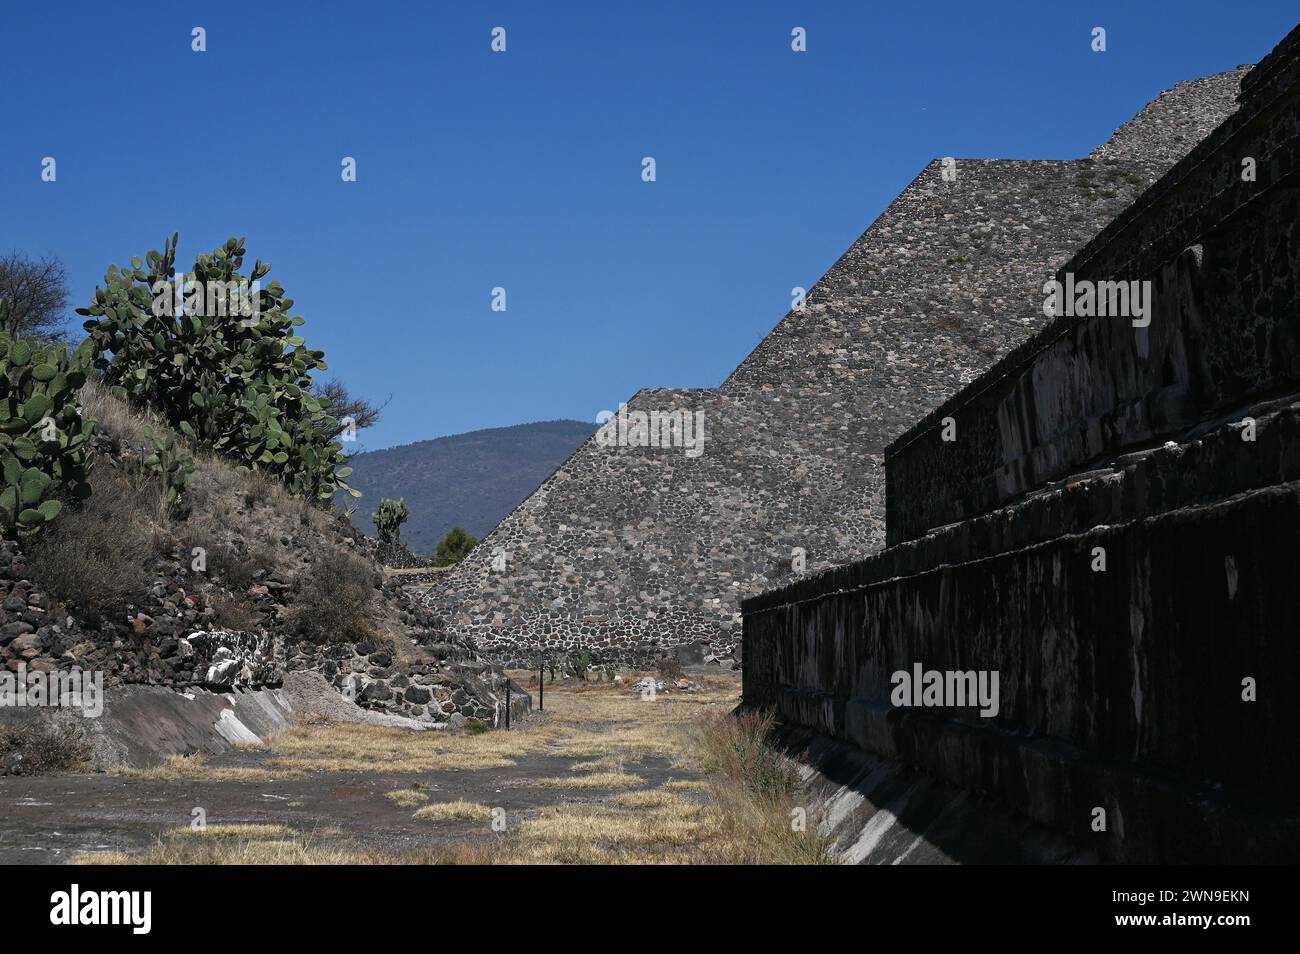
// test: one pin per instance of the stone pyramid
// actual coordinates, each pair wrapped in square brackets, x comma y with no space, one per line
[630,552]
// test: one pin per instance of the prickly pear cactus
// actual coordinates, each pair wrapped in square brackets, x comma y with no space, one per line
[389,519]
[233,382]
[171,463]
[43,436]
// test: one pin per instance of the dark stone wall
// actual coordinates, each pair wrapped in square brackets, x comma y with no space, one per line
[1121,684]
[1221,254]
[1120,689]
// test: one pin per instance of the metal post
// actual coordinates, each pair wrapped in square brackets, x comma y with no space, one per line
[507,703]
[541,686]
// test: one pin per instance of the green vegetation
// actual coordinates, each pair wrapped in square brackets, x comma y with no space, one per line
[577,663]
[173,466]
[454,547]
[227,370]
[43,436]
[389,519]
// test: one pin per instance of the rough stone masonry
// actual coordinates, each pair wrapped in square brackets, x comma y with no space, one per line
[1107,519]
[629,552]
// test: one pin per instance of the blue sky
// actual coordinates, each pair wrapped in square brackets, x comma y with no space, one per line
[523,169]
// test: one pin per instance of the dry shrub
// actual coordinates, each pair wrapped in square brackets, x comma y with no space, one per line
[236,566]
[99,557]
[45,746]
[234,613]
[670,669]
[333,603]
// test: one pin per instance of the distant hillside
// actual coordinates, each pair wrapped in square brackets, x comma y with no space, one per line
[471,480]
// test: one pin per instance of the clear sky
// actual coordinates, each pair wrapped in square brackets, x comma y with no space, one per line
[522,169]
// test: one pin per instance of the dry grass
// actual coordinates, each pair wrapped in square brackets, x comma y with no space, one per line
[407,797]
[599,765]
[656,798]
[459,810]
[333,603]
[227,845]
[581,834]
[606,727]
[196,766]
[214,477]
[237,831]
[45,745]
[117,419]
[367,748]
[296,849]
[101,555]
[232,612]
[98,557]
[755,792]
[687,785]
[592,780]
[741,813]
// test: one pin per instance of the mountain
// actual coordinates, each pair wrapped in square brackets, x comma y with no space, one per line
[469,480]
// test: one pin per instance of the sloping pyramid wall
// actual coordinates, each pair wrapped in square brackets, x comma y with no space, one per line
[628,552]
[1110,534]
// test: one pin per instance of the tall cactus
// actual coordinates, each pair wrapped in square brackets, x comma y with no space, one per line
[43,435]
[239,385]
[389,519]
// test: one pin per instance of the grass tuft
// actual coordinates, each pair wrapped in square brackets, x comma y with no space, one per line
[407,797]
[459,810]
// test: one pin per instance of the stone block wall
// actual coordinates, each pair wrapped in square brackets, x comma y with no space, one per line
[1120,690]
[1107,536]
[1216,247]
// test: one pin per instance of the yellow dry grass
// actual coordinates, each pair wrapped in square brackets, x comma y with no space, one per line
[606,726]
[407,797]
[459,810]
[687,785]
[739,813]
[591,780]
[236,831]
[598,765]
[228,844]
[655,798]
[196,766]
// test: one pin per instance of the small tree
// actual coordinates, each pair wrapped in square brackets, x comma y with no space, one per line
[454,546]
[37,293]
[351,413]
[389,519]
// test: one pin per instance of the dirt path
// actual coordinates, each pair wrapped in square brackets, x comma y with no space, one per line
[47,820]
[331,784]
